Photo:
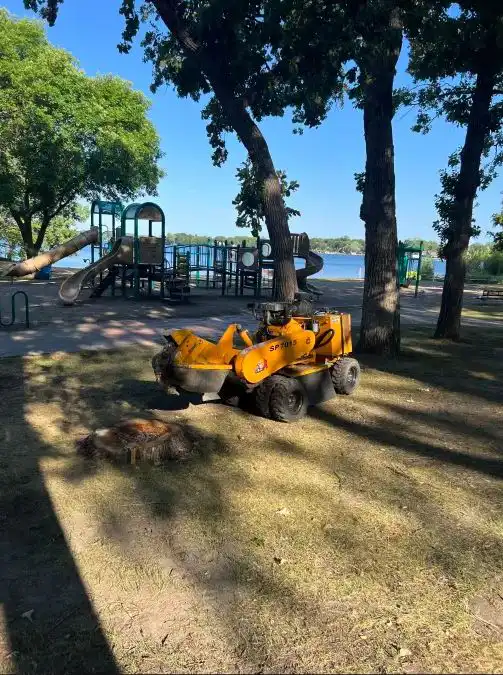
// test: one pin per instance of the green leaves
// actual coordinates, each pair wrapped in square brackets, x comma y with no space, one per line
[64,135]
[249,203]
[497,235]
[457,59]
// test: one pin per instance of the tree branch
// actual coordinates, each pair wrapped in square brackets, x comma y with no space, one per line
[169,11]
[43,229]
[234,109]
[46,219]
[18,220]
[62,206]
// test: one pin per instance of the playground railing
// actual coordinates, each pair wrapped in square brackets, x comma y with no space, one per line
[217,266]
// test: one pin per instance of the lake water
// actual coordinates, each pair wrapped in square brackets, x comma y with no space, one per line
[336,265]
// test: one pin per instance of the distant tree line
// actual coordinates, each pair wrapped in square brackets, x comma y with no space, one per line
[338,245]
[344,244]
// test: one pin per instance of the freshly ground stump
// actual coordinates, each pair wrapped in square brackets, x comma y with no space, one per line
[137,440]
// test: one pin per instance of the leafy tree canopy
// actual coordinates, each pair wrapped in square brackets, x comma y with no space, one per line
[65,135]
[451,47]
[497,234]
[259,47]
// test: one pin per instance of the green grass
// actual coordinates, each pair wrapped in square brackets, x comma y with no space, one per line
[367,537]
[494,313]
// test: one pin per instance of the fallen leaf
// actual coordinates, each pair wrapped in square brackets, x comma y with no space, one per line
[404,652]
[28,615]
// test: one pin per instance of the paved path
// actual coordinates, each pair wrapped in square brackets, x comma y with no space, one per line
[110,323]
[114,334]
[109,334]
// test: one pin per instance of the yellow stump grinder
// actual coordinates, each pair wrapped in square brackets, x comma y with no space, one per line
[297,357]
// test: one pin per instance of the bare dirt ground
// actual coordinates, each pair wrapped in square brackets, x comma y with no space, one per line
[366,538]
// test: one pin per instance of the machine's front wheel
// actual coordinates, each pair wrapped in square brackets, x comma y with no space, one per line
[288,401]
[262,395]
[345,375]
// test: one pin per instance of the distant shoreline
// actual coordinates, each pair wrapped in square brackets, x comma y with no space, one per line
[315,250]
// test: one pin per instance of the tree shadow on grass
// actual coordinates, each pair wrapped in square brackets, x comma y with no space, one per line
[210,544]
[50,620]
[472,367]
[222,567]
[446,511]
[394,436]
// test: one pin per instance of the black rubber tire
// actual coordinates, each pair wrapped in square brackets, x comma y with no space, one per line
[288,401]
[262,394]
[346,375]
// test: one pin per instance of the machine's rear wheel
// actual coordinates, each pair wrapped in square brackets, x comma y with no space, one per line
[345,375]
[288,401]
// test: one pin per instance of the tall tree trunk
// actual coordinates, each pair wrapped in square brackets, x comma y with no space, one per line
[380,324]
[276,216]
[25,225]
[44,224]
[449,319]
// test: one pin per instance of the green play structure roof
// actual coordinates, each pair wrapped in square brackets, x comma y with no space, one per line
[145,211]
[106,208]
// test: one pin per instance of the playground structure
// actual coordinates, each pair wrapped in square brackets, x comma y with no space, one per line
[137,261]
[236,269]
[43,260]
[147,266]
[409,260]
[142,265]
[100,208]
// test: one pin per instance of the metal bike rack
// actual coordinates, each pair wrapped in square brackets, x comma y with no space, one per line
[13,311]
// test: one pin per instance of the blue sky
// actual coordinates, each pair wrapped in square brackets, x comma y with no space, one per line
[197,197]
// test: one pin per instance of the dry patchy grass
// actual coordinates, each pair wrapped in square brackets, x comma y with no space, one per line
[368,537]
[492,310]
